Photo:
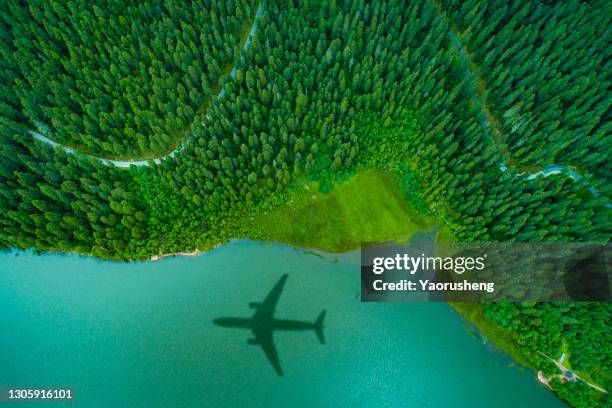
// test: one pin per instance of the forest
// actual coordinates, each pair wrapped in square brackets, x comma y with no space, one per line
[116,79]
[327,89]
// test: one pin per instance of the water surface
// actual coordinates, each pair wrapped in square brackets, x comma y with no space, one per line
[141,335]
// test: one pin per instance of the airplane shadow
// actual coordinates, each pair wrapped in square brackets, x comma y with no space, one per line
[263,324]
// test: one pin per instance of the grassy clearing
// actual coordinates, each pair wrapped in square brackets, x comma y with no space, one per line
[367,207]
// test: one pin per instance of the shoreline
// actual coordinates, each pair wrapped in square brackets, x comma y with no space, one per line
[195,252]
[485,327]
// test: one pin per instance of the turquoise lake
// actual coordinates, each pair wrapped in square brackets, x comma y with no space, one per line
[141,335]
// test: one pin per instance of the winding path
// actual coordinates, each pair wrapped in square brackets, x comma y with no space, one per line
[127,163]
[566,374]
[546,171]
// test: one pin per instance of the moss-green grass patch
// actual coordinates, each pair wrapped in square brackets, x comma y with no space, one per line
[367,207]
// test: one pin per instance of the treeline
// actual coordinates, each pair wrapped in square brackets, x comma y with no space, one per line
[116,78]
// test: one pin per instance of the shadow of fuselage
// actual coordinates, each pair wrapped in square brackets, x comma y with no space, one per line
[262,324]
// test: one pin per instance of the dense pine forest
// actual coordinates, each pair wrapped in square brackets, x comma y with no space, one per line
[546,74]
[116,78]
[326,89]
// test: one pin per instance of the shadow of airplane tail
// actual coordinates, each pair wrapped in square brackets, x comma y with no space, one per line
[318,327]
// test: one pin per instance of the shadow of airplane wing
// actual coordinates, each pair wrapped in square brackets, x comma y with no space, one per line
[266,341]
[265,310]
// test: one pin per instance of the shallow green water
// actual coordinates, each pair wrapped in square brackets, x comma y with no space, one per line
[141,335]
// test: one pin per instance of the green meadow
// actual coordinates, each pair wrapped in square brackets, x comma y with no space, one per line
[367,207]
